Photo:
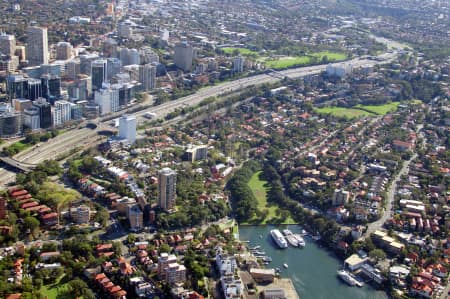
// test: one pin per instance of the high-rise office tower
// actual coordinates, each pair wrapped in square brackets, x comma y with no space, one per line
[147,76]
[37,46]
[127,128]
[51,87]
[63,51]
[113,67]
[31,118]
[45,113]
[184,54]
[34,88]
[99,74]
[7,44]
[17,86]
[167,188]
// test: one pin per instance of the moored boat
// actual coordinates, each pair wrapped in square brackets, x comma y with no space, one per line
[278,238]
[348,278]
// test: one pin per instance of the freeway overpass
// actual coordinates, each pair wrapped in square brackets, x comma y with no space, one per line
[21,166]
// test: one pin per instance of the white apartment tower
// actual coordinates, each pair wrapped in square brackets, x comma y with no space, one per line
[37,46]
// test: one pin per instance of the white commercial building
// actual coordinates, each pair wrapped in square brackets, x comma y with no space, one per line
[108,99]
[127,128]
[62,112]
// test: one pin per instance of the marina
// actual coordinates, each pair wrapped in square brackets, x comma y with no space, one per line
[309,268]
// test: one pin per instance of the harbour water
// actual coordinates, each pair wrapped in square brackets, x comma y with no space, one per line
[311,269]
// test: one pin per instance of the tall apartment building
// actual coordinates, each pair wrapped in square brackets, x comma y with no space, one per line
[7,44]
[37,46]
[147,76]
[135,217]
[167,188]
[196,153]
[340,197]
[238,64]
[127,128]
[63,51]
[184,55]
[165,260]
[175,273]
[80,214]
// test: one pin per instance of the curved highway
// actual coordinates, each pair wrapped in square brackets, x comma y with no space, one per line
[86,137]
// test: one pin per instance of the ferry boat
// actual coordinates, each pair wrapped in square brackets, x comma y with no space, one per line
[300,241]
[278,238]
[348,278]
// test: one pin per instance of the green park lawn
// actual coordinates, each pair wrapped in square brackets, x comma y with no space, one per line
[259,188]
[380,109]
[242,51]
[290,61]
[56,290]
[285,62]
[359,110]
[349,113]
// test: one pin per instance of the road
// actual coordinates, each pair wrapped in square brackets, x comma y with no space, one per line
[372,227]
[391,192]
[85,137]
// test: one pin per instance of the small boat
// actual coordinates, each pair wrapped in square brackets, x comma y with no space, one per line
[277,270]
[255,248]
[260,236]
[285,265]
[267,259]
[348,278]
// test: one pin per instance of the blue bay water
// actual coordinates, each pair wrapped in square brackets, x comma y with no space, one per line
[312,269]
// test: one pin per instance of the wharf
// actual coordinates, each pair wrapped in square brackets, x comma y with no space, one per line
[281,283]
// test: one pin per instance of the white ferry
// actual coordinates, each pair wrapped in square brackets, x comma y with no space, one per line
[278,238]
[348,278]
[300,241]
